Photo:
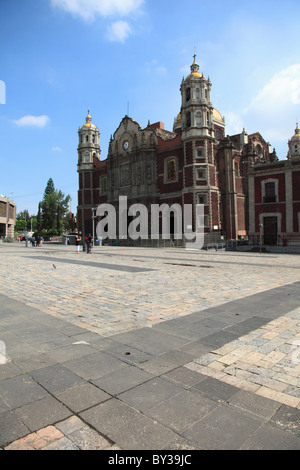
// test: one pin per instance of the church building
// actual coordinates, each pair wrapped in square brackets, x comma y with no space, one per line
[194,163]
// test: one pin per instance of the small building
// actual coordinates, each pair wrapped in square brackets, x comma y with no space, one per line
[7,217]
[274,198]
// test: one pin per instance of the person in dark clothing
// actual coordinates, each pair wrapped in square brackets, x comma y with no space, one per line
[89,242]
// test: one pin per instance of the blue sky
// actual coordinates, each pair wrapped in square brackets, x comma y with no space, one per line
[59,58]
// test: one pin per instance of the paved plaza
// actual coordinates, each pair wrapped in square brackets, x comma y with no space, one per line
[148,349]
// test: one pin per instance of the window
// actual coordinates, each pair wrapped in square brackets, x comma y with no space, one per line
[93,138]
[87,138]
[201,174]
[188,94]
[188,119]
[171,170]
[218,134]
[270,192]
[202,198]
[200,155]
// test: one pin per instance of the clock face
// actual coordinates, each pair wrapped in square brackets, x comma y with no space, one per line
[126,145]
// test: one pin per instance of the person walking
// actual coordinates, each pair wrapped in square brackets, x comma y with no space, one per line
[89,242]
[78,240]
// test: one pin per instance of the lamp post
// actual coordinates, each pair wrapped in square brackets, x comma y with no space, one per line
[94,217]
[260,237]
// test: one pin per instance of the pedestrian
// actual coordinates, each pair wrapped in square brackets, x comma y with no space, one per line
[78,240]
[89,242]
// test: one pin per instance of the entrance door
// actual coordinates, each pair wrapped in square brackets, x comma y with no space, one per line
[270,230]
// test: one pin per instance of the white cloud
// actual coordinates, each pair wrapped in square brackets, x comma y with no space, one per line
[119,31]
[154,67]
[234,123]
[56,149]
[33,121]
[89,9]
[276,105]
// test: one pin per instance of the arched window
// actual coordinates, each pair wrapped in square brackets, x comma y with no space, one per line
[188,119]
[188,94]
[87,138]
[198,119]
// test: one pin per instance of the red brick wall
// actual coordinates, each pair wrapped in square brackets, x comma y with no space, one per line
[87,179]
[188,176]
[188,153]
[296,185]
[295,216]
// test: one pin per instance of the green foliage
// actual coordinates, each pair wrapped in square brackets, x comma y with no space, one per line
[52,209]
[21,226]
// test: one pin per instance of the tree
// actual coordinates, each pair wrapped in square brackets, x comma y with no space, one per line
[53,208]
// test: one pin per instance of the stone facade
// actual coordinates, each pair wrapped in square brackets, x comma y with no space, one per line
[195,163]
[274,198]
[7,217]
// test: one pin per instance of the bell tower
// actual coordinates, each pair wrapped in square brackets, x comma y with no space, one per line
[88,154]
[196,106]
[89,146]
[198,123]
[294,145]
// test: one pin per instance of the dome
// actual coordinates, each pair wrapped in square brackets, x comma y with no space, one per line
[195,71]
[297,134]
[89,123]
[217,116]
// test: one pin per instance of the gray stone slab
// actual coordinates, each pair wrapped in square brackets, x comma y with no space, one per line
[115,267]
[195,349]
[122,380]
[218,339]
[222,429]
[166,362]
[42,413]
[33,362]
[82,397]
[270,438]
[288,419]
[261,407]
[128,428]
[20,390]
[128,354]
[94,365]
[69,352]
[182,411]
[56,378]
[184,377]
[143,433]
[9,370]
[215,389]
[108,416]
[11,428]
[151,341]
[244,327]
[150,394]
[194,331]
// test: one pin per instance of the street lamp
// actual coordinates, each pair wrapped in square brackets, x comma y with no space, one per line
[94,217]
[260,237]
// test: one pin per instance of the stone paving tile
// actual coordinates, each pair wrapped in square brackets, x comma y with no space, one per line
[260,367]
[129,300]
[235,362]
